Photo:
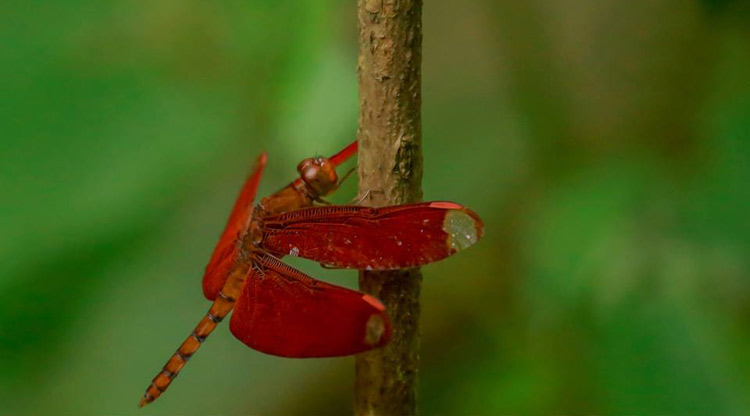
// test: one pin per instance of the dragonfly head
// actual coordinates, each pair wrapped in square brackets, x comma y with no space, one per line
[319,174]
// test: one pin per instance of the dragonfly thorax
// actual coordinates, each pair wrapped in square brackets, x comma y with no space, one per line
[254,236]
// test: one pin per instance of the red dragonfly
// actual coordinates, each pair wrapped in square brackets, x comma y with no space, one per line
[281,311]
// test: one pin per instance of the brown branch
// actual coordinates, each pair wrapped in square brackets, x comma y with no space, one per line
[390,172]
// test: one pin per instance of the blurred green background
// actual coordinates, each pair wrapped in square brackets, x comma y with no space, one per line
[606,144]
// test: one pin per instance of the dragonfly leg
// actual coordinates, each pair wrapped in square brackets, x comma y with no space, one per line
[360,200]
[341,181]
[321,201]
[338,184]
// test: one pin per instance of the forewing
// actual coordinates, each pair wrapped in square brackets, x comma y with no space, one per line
[344,154]
[284,312]
[226,250]
[394,237]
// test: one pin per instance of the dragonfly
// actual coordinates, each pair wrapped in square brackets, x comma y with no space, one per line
[279,310]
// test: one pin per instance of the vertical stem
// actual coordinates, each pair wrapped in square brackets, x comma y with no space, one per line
[390,172]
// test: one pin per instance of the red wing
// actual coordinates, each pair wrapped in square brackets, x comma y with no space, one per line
[394,237]
[284,312]
[344,154]
[226,249]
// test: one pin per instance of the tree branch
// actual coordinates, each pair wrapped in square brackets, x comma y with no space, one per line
[390,172]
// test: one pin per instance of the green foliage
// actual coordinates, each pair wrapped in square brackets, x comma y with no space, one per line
[605,145]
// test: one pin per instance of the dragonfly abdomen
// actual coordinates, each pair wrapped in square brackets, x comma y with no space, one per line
[219,310]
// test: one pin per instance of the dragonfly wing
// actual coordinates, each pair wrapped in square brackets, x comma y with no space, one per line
[226,249]
[394,237]
[284,312]
[344,154]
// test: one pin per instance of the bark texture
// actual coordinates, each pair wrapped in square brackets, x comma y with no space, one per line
[390,172]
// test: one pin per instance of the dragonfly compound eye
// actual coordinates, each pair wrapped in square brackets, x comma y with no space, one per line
[319,174]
